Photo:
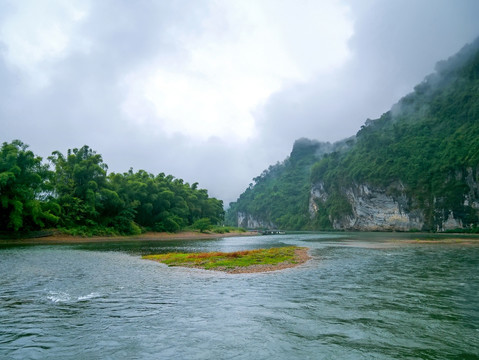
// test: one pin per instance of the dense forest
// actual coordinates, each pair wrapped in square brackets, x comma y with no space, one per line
[75,193]
[426,148]
[279,196]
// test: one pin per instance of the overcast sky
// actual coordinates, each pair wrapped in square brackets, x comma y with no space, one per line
[212,91]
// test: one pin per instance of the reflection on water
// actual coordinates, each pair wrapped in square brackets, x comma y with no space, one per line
[358,298]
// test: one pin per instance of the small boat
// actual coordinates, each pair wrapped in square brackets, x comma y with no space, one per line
[273,232]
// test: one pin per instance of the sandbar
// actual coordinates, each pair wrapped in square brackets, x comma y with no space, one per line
[301,256]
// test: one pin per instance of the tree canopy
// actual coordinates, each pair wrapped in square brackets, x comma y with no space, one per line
[76,193]
[23,183]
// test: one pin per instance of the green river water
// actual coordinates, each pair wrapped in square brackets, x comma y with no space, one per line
[361,296]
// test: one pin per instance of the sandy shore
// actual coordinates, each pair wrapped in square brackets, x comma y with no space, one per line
[149,236]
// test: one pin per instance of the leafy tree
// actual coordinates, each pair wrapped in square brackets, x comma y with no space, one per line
[203,224]
[22,187]
[163,203]
[83,199]
[80,187]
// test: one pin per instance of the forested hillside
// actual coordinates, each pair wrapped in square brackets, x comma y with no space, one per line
[75,193]
[414,168]
[279,196]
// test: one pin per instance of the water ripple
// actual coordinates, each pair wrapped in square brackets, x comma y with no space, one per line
[349,302]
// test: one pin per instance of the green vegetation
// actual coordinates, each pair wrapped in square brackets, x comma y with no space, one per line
[227,229]
[77,195]
[280,194]
[203,225]
[232,260]
[23,184]
[426,146]
[428,143]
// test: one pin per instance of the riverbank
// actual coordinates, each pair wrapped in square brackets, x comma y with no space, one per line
[149,236]
[448,241]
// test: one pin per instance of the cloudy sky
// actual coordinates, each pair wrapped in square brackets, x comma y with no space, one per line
[212,91]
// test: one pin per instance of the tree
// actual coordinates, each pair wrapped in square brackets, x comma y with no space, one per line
[22,186]
[79,196]
[202,224]
[79,181]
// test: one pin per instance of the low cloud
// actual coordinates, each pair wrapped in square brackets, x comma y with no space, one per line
[212,92]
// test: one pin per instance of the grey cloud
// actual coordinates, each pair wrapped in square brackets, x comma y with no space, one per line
[396,44]
[82,103]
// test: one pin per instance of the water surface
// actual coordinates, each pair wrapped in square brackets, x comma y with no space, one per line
[360,297]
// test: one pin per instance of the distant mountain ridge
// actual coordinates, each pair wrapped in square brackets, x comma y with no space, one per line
[414,168]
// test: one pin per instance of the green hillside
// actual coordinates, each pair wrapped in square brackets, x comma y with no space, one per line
[279,196]
[426,148]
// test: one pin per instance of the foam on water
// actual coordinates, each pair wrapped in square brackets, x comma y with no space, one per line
[92,295]
[64,297]
[58,297]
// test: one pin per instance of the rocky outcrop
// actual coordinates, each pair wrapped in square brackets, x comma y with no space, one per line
[250,222]
[372,209]
[318,195]
[375,209]
[450,223]
[472,181]
[446,218]
[363,207]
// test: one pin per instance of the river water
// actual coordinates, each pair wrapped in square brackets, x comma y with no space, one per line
[360,297]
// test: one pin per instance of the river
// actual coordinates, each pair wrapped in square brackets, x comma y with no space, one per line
[360,297]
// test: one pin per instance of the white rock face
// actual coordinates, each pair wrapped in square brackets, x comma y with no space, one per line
[317,193]
[451,223]
[375,209]
[249,222]
[372,210]
[472,198]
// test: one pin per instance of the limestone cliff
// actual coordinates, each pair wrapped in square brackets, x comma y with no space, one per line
[416,167]
[378,209]
[248,221]
[372,209]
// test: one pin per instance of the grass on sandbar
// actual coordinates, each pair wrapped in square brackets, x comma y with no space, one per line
[212,260]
